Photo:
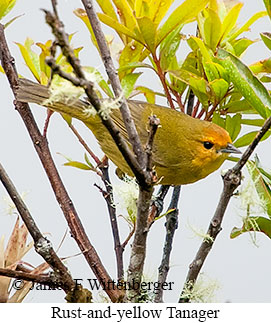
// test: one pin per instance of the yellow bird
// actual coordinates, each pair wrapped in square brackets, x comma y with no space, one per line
[185,149]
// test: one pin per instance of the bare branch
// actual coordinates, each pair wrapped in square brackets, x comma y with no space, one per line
[42,245]
[154,122]
[190,102]
[34,278]
[114,80]
[108,196]
[171,226]
[138,252]
[41,146]
[231,180]
[84,144]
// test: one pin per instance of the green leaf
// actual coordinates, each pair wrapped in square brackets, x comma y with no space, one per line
[267,4]
[230,20]
[261,187]
[87,161]
[263,66]
[131,54]
[77,164]
[158,9]
[148,32]
[6,6]
[12,20]
[241,45]
[128,83]
[107,8]
[169,47]
[217,119]
[254,224]
[134,65]
[31,58]
[96,76]
[238,106]
[246,139]
[120,28]
[266,175]
[253,122]
[265,79]
[220,88]
[148,93]
[186,12]
[203,49]
[246,26]
[81,13]
[266,37]
[126,13]
[199,85]
[212,29]
[248,85]
[233,125]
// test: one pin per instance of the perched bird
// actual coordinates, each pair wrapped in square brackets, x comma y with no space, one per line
[185,149]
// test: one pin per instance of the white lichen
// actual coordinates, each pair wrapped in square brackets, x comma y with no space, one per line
[126,195]
[9,206]
[63,91]
[248,196]
[204,290]
[200,233]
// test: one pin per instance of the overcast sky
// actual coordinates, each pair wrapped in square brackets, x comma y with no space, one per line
[241,269]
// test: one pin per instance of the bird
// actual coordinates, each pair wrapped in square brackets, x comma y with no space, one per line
[185,149]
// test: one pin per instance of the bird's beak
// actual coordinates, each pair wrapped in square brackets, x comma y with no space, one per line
[230,149]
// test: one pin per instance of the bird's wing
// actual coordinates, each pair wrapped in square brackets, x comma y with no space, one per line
[136,108]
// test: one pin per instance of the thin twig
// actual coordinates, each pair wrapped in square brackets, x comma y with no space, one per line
[161,75]
[42,245]
[108,196]
[85,145]
[231,180]
[114,80]
[201,113]
[178,99]
[190,103]
[124,244]
[154,122]
[195,110]
[171,226]
[211,112]
[41,146]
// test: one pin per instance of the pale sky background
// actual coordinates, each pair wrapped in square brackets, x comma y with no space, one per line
[241,269]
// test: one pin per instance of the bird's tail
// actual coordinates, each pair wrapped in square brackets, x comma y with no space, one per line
[32,92]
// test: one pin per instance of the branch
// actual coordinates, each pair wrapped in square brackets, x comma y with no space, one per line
[143,177]
[41,146]
[190,103]
[138,252]
[231,180]
[34,278]
[114,80]
[42,245]
[108,196]
[171,226]
[158,204]
[154,123]
[84,144]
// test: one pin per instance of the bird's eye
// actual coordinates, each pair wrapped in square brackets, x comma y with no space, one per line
[208,144]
